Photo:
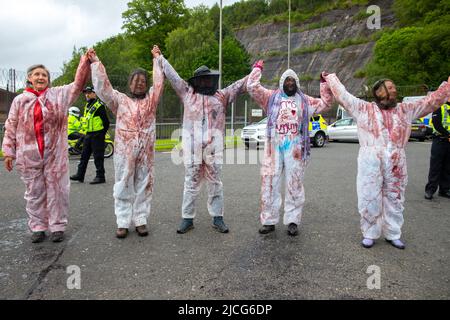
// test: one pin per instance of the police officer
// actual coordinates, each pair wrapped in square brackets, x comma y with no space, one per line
[95,124]
[439,174]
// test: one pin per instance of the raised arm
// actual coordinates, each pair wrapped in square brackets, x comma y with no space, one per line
[158,76]
[180,86]
[9,140]
[102,85]
[350,103]
[324,103]
[430,103]
[235,89]
[260,94]
[68,94]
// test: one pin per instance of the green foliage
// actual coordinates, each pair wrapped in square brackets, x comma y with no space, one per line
[410,12]
[149,22]
[189,48]
[418,52]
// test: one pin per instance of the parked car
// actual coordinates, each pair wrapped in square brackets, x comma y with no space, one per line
[343,130]
[420,130]
[255,134]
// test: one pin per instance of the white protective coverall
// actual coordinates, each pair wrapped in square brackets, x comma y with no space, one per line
[134,145]
[203,132]
[382,174]
[46,177]
[286,145]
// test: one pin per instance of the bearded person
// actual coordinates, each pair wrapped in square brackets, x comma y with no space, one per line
[134,141]
[287,145]
[384,127]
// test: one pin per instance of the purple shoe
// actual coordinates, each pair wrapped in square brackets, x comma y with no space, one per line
[367,243]
[397,243]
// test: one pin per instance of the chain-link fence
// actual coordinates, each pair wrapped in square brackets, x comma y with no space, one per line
[169,115]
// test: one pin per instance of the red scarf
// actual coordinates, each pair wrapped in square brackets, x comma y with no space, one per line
[38,120]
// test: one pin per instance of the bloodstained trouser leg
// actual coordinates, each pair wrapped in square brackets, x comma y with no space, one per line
[271,171]
[369,189]
[295,192]
[192,184]
[36,198]
[124,193]
[395,181]
[214,185]
[58,188]
[143,184]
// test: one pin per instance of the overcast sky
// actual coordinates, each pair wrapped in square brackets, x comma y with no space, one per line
[46,31]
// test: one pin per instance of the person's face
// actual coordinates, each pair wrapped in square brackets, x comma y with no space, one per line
[90,95]
[39,79]
[205,82]
[290,86]
[387,94]
[138,85]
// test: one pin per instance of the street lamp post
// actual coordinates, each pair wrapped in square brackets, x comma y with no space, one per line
[220,47]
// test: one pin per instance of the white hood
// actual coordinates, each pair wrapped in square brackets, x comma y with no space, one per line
[289,73]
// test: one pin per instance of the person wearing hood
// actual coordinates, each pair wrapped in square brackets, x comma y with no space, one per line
[384,127]
[287,145]
[95,124]
[36,139]
[203,132]
[134,141]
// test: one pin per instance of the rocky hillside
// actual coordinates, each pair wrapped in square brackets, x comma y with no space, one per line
[336,41]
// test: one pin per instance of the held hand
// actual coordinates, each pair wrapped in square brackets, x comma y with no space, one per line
[156,52]
[9,164]
[448,80]
[92,55]
[259,64]
[323,76]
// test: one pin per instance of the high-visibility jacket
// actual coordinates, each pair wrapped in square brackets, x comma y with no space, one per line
[91,121]
[74,124]
[445,118]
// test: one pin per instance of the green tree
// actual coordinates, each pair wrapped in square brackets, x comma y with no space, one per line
[149,22]
[414,55]
[187,49]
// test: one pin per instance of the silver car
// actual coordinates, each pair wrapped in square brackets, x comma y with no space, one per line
[343,130]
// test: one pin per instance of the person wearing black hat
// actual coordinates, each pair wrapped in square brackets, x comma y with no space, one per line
[203,132]
[384,127]
[95,123]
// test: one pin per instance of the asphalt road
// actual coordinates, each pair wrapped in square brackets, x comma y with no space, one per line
[325,261]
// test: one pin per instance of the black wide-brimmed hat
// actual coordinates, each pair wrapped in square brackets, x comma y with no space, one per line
[203,71]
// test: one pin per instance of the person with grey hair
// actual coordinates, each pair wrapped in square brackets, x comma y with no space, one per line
[134,141]
[36,139]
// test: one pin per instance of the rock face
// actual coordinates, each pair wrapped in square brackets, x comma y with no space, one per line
[270,42]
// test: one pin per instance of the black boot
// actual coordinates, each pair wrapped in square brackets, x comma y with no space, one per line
[444,194]
[77,177]
[98,180]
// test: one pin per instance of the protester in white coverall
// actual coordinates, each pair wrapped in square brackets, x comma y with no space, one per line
[203,132]
[36,138]
[287,145]
[384,128]
[134,141]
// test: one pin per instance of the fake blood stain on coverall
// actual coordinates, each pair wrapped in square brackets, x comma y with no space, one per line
[134,145]
[203,132]
[46,176]
[382,172]
[283,145]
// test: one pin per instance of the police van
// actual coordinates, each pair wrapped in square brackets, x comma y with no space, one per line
[255,134]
